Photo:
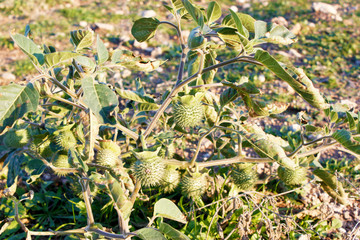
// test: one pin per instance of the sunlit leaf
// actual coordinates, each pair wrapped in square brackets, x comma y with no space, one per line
[167,209]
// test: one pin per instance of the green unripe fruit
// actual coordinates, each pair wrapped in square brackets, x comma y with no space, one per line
[61,161]
[107,157]
[188,112]
[65,140]
[149,169]
[42,148]
[171,179]
[244,176]
[16,138]
[292,177]
[110,145]
[167,151]
[196,40]
[193,186]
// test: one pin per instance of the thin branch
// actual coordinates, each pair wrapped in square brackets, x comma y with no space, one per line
[135,192]
[66,101]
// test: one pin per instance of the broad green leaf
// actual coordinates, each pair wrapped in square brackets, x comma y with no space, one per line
[52,59]
[127,59]
[15,101]
[102,52]
[134,96]
[171,232]
[148,107]
[351,120]
[239,26]
[301,83]
[100,99]
[9,228]
[246,87]
[117,192]
[333,116]
[193,65]
[231,38]
[345,139]
[144,28]
[82,39]
[149,234]
[247,21]
[167,209]
[34,168]
[29,48]
[213,12]
[228,96]
[87,64]
[194,12]
[272,33]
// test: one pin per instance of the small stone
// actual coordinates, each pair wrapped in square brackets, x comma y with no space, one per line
[294,127]
[262,78]
[8,76]
[324,8]
[105,26]
[83,24]
[246,5]
[311,25]
[295,53]
[296,29]
[126,73]
[124,38]
[141,45]
[148,13]
[234,8]
[280,21]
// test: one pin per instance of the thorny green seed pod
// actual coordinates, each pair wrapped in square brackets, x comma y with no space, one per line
[171,179]
[61,161]
[16,138]
[244,176]
[292,177]
[188,111]
[193,186]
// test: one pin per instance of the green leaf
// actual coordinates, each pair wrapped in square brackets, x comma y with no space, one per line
[194,12]
[239,26]
[102,52]
[247,21]
[52,59]
[34,168]
[9,228]
[149,234]
[127,59]
[144,28]
[228,96]
[301,84]
[86,63]
[148,107]
[351,120]
[336,223]
[15,101]
[82,39]
[167,209]
[100,99]
[29,48]
[171,232]
[134,96]
[213,12]
[261,108]
[232,38]
[333,116]
[272,33]
[345,139]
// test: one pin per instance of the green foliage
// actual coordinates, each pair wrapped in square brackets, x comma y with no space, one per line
[75,121]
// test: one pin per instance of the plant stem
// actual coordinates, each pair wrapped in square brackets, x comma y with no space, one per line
[66,101]
[127,131]
[306,144]
[135,192]
[188,80]
[85,190]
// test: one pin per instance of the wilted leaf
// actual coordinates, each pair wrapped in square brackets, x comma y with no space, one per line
[127,59]
[144,28]
[134,96]
[167,209]
[148,107]
[301,83]
[273,33]
[15,101]
[345,139]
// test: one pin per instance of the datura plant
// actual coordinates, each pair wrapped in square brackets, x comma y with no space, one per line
[130,145]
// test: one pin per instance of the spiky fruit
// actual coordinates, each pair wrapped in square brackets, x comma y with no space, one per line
[42,148]
[244,176]
[292,176]
[110,145]
[193,186]
[16,138]
[65,140]
[167,151]
[171,179]
[188,110]
[149,169]
[107,157]
[61,161]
